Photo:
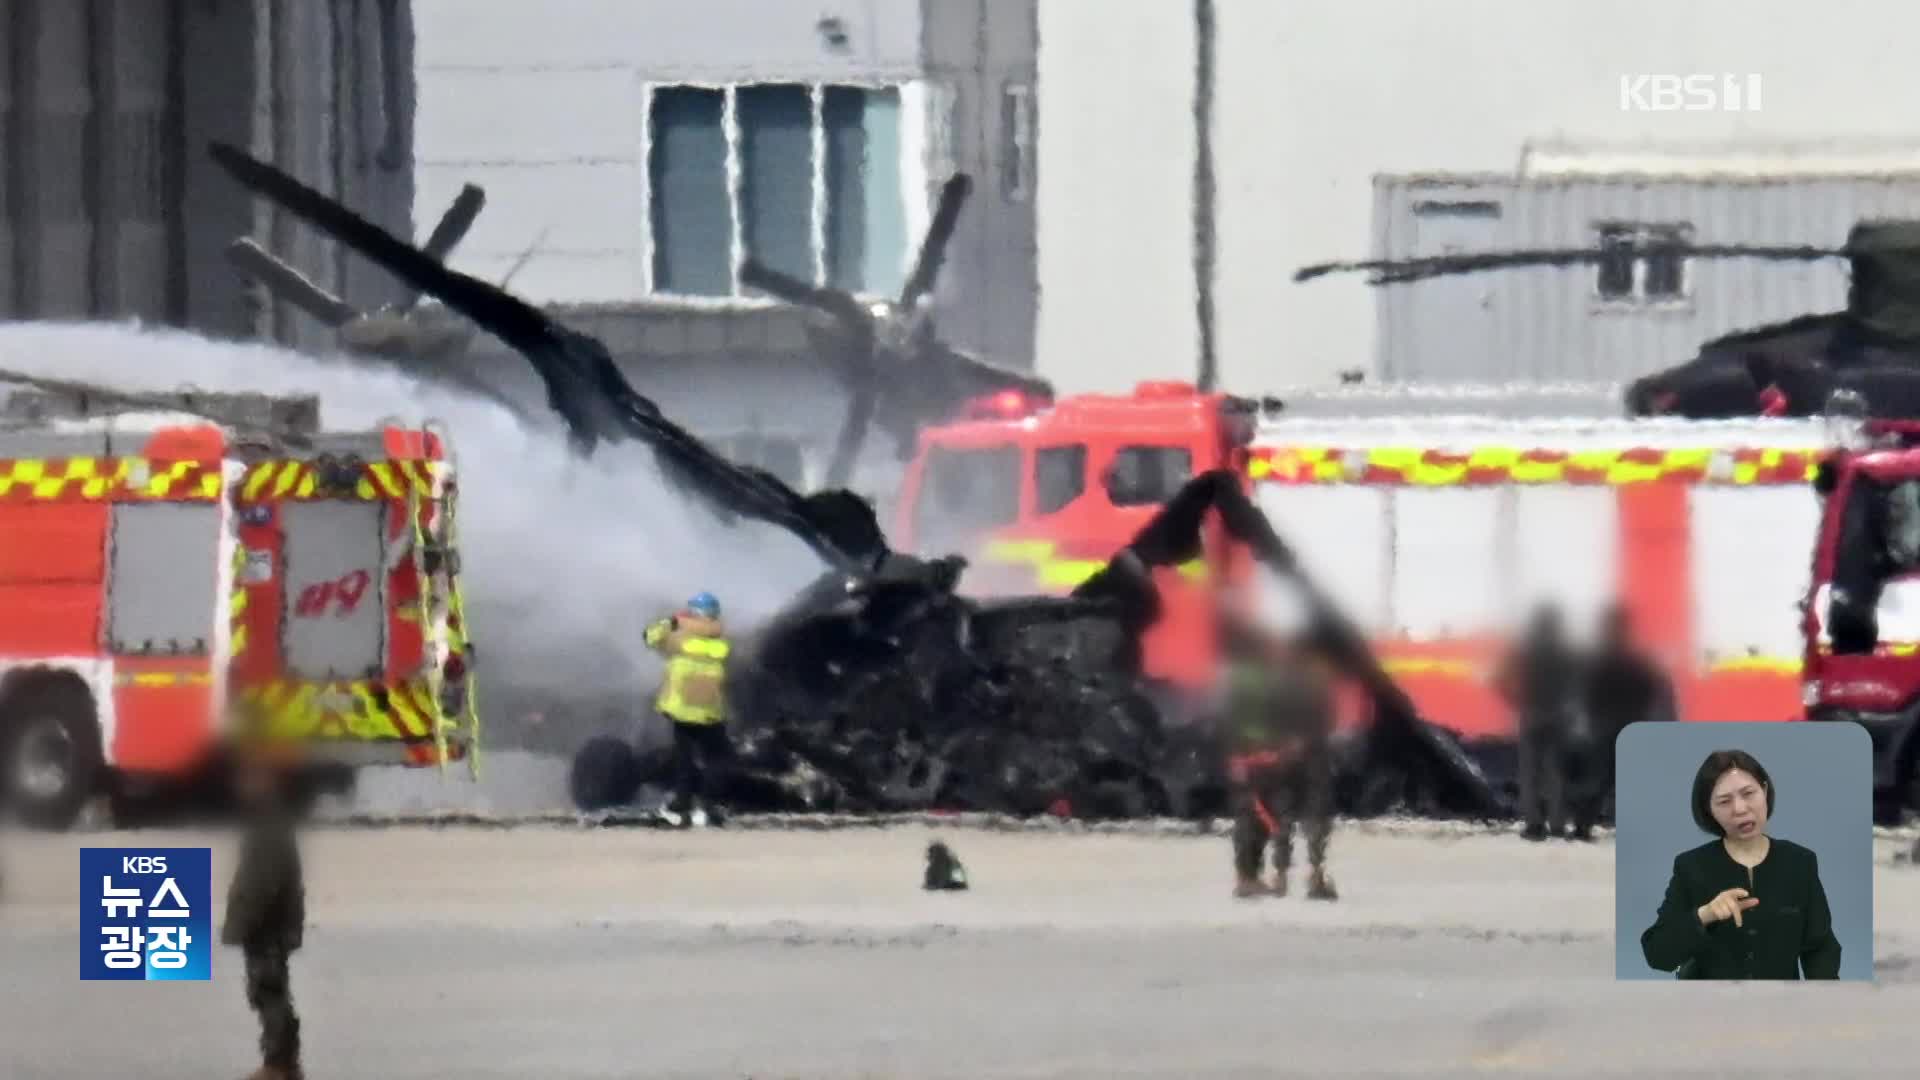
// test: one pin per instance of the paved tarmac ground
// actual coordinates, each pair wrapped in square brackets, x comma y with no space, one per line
[554,953]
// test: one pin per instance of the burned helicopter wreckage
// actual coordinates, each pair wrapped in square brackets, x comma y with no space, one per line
[424,341]
[1869,352]
[881,687]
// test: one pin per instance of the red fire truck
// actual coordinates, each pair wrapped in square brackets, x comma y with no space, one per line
[1861,621]
[158,567]
[1436,533]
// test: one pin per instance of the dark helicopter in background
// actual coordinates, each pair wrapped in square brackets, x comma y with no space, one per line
[1868,353]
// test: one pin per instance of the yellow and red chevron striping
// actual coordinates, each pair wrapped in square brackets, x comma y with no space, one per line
[1427,467]
[127,479]
[107,479]
[303,480]
[347,710]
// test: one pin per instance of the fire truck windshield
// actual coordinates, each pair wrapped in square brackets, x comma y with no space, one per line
[965,493]
[1903,525]
[1148,475]
[1059,477]
[1876,565]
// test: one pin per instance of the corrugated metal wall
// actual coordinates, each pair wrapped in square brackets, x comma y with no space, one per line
[987,53]
[110,206]
[91,175]
[338,113]
[1542,324]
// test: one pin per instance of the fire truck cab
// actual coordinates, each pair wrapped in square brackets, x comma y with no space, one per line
[1861,619]
[1040,495]
[160,572]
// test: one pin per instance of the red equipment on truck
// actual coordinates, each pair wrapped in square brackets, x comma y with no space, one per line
[1434,529]
[159,568]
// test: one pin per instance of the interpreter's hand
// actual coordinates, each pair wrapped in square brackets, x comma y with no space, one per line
[1728,905]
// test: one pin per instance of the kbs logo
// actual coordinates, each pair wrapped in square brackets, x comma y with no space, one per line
[1689,93]
[146,913]
[342,596]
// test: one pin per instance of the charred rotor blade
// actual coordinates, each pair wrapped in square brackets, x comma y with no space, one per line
[853,435]
[456,222]
[288,284]
[1173,536]
[933,250]
[544,342]
[584,385]
[970,376]
[449,231]
[839,305]
[937,382]
[1399,271]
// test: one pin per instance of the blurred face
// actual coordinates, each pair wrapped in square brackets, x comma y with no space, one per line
[1739,804]
[255,783]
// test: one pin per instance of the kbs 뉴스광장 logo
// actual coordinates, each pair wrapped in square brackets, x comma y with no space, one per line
[146,913]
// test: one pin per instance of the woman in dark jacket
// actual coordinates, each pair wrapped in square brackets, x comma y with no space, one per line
[1745,905]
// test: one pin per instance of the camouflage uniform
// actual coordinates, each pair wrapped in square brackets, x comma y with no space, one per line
[1620,685]
[266,917]
[1279,726]
[1540,679]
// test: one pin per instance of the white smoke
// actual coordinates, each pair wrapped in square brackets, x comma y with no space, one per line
[564,560]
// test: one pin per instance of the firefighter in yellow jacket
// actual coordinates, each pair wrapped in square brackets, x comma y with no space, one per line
[692,697]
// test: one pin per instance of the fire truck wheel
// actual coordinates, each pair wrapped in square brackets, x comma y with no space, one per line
[50,755]
[605,774]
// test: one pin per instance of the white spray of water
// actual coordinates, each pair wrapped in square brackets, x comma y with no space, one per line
[564,560]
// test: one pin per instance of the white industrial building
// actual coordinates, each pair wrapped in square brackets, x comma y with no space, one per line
[641,147]
[1314,100]
[635,151]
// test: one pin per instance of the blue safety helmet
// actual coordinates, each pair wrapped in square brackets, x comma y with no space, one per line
[705,605]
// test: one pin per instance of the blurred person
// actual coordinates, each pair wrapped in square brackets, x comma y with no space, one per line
[692,698]
[1619,685]
[1744,905]
[1278,725]
[1539,680]
[266,900]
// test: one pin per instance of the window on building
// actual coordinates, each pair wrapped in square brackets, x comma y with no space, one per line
[776,176]
[1665,266]
[1641,263]
[1148,475]
[1059,477]
[1616,262]
[865,227]
[687,170]
[803,177]
[1016,134]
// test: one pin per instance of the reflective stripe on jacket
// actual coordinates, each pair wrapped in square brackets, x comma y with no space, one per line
[693,690]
